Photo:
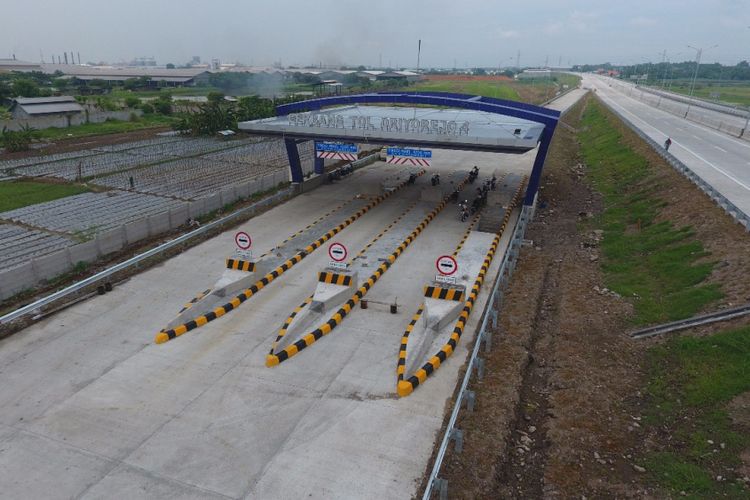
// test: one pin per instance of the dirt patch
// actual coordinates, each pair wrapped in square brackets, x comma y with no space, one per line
[563,380]
[739,412]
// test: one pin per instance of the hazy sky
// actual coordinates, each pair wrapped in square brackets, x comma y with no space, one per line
[299,32]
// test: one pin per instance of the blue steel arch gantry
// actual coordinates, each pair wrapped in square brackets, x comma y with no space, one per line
[548,118]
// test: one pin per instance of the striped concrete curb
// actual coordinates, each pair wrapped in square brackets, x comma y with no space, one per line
[165,335]
[404,387]
[335,320]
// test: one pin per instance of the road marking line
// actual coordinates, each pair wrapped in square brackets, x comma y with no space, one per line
[738,142]
[720,149]
[685,148]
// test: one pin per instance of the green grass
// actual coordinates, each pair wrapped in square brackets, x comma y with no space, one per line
[108,127]
[17,194]
[498,90]
[660,267]
[174,91]
[732,94]
[691,380]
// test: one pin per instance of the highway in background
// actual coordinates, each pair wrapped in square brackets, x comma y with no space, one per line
[721,160]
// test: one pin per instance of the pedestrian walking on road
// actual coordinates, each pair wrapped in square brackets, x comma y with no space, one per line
[667,143]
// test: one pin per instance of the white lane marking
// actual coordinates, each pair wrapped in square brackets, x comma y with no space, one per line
[697,137]
[738,142]
[730,176]
[720,149]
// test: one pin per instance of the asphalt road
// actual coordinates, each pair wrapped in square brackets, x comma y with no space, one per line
[721,160]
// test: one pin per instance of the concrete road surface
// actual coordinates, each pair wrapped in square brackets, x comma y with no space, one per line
[90,407]
[721,160]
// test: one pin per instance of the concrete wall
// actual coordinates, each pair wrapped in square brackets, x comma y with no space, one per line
[107,242]
[682,108]
[42,122]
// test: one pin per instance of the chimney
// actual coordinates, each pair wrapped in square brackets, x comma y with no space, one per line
[79,58]
[14,57]
[66,57]
[72,59]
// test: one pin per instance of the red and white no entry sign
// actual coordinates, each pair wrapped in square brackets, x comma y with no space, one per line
[446,265]
[337,252]
[242,240]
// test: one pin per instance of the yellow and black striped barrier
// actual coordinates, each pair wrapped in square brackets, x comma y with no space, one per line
[439,292]
[289,320]
[406,386]
[401,367]
[334,278]
[238,300]
[241,265]
[273,359]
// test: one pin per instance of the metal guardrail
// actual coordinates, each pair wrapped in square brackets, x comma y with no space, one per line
[683,324]
[491,313]
[36,306]
[719,198]
[484,335]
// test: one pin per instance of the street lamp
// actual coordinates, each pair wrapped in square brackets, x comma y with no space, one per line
[699,53]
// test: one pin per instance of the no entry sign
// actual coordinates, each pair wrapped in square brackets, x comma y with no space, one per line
[446,265]
[337,252]
[242,240]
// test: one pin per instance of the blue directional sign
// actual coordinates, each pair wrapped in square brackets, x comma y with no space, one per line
[414,153]
[336,147]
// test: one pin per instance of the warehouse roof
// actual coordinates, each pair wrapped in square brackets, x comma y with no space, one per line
[46,105]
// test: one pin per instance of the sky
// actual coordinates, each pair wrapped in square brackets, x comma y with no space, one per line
[454,33]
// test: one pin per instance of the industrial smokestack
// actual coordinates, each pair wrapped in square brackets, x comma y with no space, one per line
[79,58]
[66,57]
[72,59]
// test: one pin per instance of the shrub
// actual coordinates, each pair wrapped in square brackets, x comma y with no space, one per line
[132,102]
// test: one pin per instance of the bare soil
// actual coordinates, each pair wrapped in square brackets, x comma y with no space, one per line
[557,414]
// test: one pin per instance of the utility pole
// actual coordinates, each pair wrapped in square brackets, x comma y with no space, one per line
[518,60]
[699,53]
[419,53]
[664,73]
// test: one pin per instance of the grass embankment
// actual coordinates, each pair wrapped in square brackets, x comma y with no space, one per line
[498,90]
[108,127]
[691,384]
[695,441]
[659,267]
[22,193]
[730,94]
[121,93]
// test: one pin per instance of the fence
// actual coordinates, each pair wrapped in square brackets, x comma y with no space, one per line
[484,336]
[112,240]
[476,364]
[42,122]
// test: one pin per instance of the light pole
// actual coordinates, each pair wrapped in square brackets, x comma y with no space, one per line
[699,53]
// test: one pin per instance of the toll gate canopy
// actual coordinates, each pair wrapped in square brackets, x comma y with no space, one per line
[440,120]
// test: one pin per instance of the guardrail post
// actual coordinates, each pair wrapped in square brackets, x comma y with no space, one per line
[442,486]
[480,368]
[457,436]
[470,397]
[487,339]
[493,317]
